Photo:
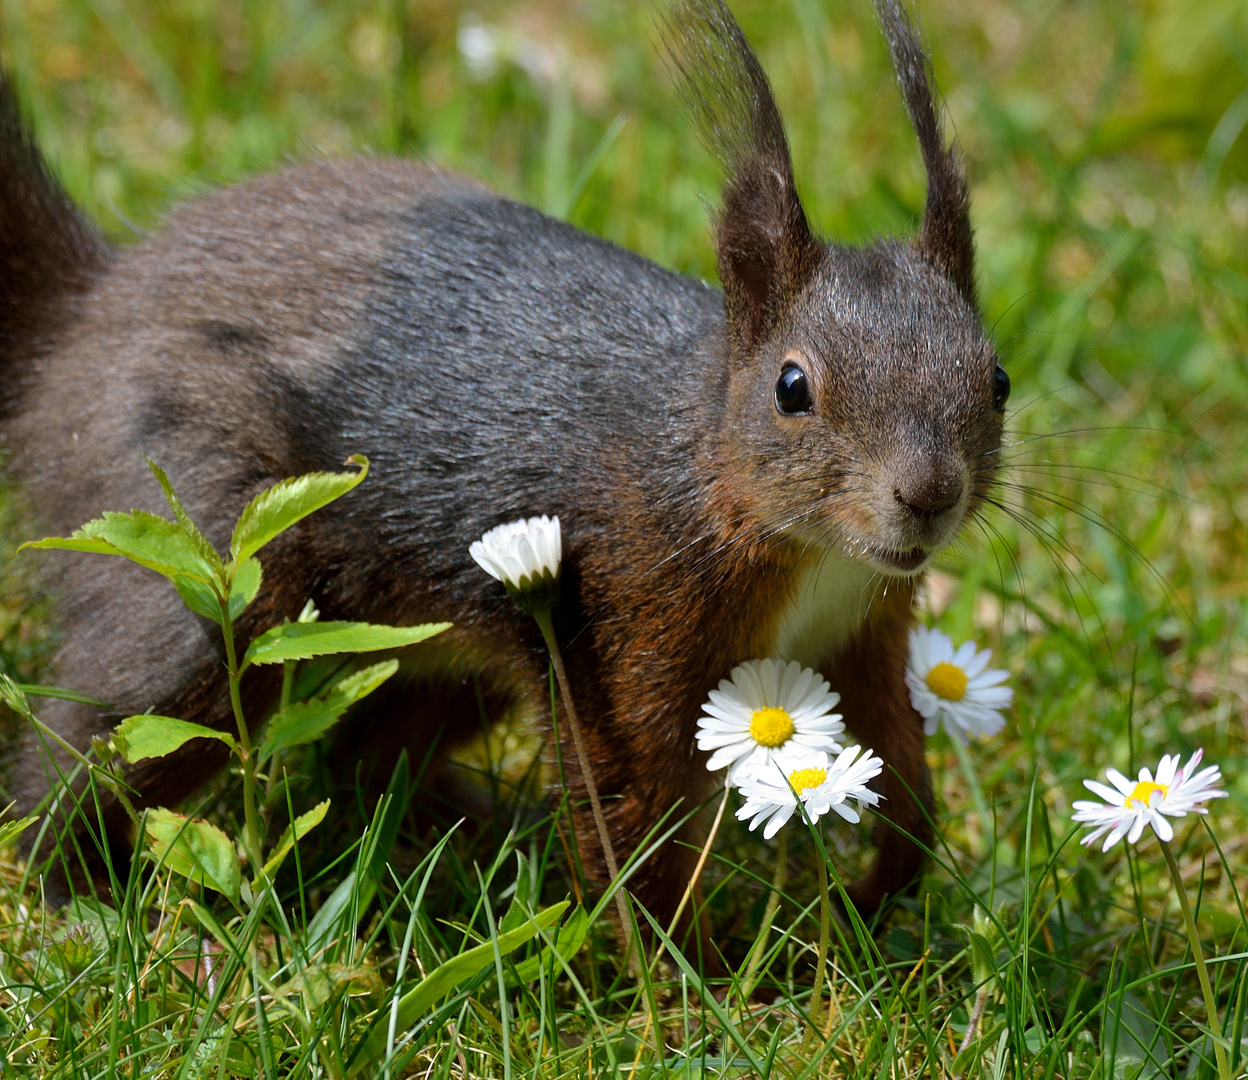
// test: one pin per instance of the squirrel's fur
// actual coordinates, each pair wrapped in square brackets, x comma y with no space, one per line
[494,363]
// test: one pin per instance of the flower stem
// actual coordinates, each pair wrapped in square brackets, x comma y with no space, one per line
[769,916]
[1202,973]
[821,957]
[547,627]
[246,755]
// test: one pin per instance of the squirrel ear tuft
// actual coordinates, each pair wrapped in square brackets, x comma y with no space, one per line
[945,238]
[764,247]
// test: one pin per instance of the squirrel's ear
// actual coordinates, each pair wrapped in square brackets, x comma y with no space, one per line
[945,239]
[764,247]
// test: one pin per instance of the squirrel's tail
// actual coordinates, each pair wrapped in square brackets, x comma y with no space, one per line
[48,248]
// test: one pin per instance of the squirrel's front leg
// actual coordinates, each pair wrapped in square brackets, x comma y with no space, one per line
[870,676]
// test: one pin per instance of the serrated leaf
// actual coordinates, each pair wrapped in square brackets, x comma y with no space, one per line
[247,579]
[297,830]
[11,830]
[147,736]
[200,598]
[274,511]
[446,977]
[300,641]
[147,539]
[195,849]
[197,538]
[306,721]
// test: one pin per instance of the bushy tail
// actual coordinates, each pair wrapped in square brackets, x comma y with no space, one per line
[47,247]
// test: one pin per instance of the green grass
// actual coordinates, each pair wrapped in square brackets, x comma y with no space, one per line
[1110,180]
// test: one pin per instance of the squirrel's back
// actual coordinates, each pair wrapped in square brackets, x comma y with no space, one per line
[279,325]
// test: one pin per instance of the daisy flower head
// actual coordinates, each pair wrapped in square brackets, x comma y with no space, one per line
[772,790]
[956,686]
[525,556]
[763,707]
[1131,804]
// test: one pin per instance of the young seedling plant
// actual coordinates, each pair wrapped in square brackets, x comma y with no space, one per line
[221,590]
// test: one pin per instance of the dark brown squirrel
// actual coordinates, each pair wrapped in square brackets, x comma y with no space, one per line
[760,472]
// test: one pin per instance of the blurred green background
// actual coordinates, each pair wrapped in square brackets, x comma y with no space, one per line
[1107,148]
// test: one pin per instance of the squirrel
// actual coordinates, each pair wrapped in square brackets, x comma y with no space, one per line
[762,471]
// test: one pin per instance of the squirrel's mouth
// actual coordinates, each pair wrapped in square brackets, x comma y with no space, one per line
[899,562]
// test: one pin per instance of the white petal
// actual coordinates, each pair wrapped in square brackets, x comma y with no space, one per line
[1124,786]
[1161,826]
[778,819]
[1110,795]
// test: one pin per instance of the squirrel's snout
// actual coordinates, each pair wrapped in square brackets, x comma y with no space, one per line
[927,502]
[927,490]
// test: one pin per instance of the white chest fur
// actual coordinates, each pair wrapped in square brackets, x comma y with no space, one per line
[830,601]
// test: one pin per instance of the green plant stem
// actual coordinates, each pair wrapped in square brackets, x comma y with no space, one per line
[547,627]
[821,956]
[769,916]
[246,756]
[1202,973]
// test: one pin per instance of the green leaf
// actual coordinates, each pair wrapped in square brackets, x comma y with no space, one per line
[567,942]
[147,736]
[307,721]
[300,641]
[11,830]
[197,538]
[196,850]
[149,540]
[277,509]
[201,599]
[297,830]
[446,977]
[247,578]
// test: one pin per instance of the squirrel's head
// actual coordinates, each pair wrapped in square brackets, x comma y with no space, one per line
[866,401]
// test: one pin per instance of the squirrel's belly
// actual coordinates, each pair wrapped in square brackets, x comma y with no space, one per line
[829,602]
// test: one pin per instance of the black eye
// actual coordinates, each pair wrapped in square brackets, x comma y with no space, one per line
[793,391]
[1000,388]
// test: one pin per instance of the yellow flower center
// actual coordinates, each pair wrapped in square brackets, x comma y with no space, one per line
[801,779]
[1143,790]
[947,681]
[771,727]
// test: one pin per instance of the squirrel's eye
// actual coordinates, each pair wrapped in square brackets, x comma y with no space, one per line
[793,391]
[1000,388]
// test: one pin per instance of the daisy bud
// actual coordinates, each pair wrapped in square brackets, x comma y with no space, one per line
[526,557]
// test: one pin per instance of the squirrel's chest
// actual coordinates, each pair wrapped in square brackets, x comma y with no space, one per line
[830,600]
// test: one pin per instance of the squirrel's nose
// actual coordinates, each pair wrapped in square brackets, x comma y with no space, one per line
[930,491]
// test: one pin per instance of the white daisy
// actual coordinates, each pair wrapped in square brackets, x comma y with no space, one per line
[1130,805]
[762,707]
[956,687]
[525,556]
[822,785]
